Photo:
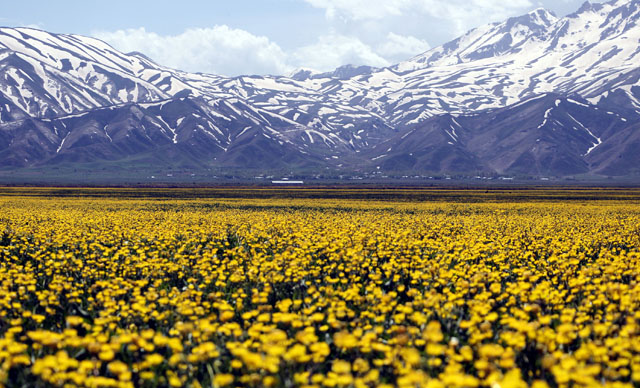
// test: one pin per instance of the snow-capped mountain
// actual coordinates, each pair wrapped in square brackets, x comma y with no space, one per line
[533,95]
[591,53]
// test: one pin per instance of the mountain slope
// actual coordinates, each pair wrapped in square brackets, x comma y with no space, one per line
[535,95]
[545,135]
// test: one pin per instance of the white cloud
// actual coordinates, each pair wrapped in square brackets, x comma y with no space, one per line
[37,26]
[360,9]
[226,51]
[335,50]
[332,51]
[218,50]
[356,32]
[461,14]
[398,47]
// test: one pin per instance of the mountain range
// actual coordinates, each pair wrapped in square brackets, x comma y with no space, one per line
[533,96]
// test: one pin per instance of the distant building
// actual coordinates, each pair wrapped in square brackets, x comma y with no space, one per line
[287,182]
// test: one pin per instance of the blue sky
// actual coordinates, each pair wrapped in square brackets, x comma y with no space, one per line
[271,36]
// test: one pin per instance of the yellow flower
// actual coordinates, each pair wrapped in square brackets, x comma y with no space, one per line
[345,340]
[269,381]
[74,321]
[320,351]
[174,381]
[226,315]
[222,380]
[106,355]
[341,367]
[433,332]
[117,367]
[154,359]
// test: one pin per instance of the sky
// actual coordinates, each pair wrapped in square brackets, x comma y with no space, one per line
[233,37]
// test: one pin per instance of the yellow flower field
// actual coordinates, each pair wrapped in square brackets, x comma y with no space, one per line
[106,292]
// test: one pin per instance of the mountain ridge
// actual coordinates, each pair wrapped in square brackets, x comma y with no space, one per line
[72,99]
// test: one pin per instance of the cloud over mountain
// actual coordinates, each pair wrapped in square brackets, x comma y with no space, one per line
[229,51]
[219,50]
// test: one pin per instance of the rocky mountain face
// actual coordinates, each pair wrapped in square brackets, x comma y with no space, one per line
[535,95]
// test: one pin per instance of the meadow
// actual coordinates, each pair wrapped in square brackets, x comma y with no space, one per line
[312,288]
